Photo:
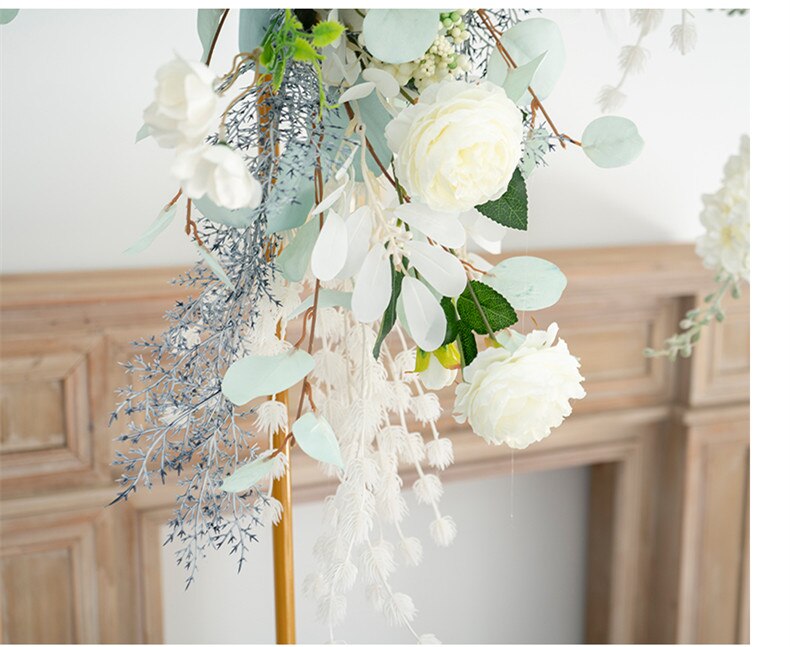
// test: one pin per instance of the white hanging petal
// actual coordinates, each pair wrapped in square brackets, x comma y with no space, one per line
[443,228]
[359,227]
[331,248]
[328,200]
[359,91]
[373,287]
[385,82]
[440,268]
[483,231]
[424,315]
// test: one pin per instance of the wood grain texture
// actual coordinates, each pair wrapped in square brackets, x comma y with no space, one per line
[668,445]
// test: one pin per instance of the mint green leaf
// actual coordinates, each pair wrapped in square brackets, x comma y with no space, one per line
[207,24]
[257,375]
[282,211]
[7,15]
[315,437]
[326,32]
[509,210]
[499,313]
[400,35]
[466,340]
[326,299]
[612,141]
[253,24]
[239,218]
[161,222]
[452,320]
[142,133]
[527,282]
[212,262]
[517,82]
[390,314]
[249,474]
[295,258]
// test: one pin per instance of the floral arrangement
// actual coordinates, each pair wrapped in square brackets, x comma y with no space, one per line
[724,248]
[339,176]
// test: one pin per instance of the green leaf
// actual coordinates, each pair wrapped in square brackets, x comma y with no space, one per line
[390,314]
[326,32]
[207,24]
[253,24]
[499,313]
[326,299]
[282,211]
[509,210]
[161,222]
[144,132]
[612,141]
[304,51]
[452,320]
[249,474]
[399,35]
[517,82]
[7,15]
[257,375]
[294,259]
[239,218]
[315,436]
[212,262]
[466,341]
[527,282]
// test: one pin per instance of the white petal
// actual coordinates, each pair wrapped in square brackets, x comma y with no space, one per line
[329,199]
[444,228]
[484,231]
[424,315]
[385,82]
[359,91]
[373,287]
[440,268]
[359,227]
[331,248]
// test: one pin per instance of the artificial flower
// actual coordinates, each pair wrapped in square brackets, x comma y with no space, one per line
[517,393]
[458,146]
[184,104]
[436,376]
[218,172]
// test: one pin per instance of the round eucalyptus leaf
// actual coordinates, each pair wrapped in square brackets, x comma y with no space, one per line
[612,141]
[527,282]
[257,375]
[315,437]
[250,473]
[239,218]
[400,35]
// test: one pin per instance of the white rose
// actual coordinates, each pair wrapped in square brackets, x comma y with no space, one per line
[184,104]
[517,393]
[458,146]
[219,172]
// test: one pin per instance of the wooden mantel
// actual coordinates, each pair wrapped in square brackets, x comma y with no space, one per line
[668,446]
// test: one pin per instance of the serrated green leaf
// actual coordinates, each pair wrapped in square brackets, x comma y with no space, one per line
[326,32]
[304,51]
[509,210]
[254,376]
[452,320]
[316,438]
[466,341]
[249,474]
[390,314]
[499,313]
[612,141]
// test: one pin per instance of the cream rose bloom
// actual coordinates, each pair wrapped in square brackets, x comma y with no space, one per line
[218,172]
[517,393]
[184,104]
[458,146]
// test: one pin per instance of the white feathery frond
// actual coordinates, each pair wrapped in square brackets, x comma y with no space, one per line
[426,407]
[315,586]
[414,448]
[329,324]
[279,467]
[393,439]
[440,453]
[404,364]
[270,417]
[378,561]
[443,530]
[330,514]
[356,519]
[343,575]
[411,550]
[684,35]
[398,395]
[332,609]
[376,594]
[428,489]
[330,366]
[428,639]
[271,512]
[610,98]
[647,20]
[399,609]
[633,59]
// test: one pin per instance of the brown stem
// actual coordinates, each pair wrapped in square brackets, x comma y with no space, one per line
[190,227]
[174,199]
[216,35]
[372,151]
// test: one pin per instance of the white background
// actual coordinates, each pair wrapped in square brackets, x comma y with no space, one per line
[76,191]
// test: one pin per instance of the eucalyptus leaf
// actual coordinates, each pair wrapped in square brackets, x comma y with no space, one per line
[399,35]
[497,310]
[326,299]
[250,473]
[144,132]
[295,258]
[517,82]
[254,376]
[315,437]
[212,262]
[161,222]
[612,141]
[208,21]
[510,209]
[7,15]
[253,24]
[527,282]
[239,218]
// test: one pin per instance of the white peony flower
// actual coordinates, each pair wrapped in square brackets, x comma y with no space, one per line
[725,244]
[184,104]
[458,147]
[517,394]
[219,172]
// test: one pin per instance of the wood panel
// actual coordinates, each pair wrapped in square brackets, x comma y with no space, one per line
[668,446]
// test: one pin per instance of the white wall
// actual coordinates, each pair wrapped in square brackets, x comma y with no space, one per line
[506,579]
[76,191]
